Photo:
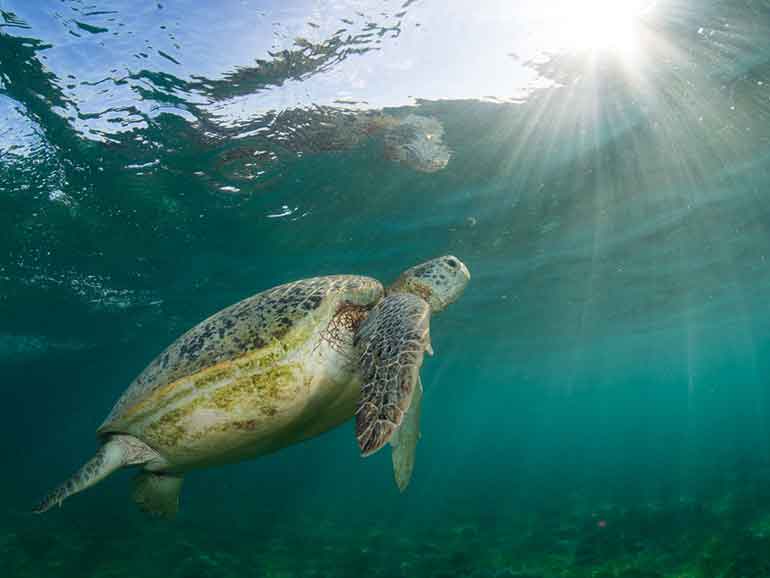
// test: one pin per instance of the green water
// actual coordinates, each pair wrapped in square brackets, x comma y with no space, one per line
[598,403]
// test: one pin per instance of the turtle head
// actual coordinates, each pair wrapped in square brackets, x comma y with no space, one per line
[439,281]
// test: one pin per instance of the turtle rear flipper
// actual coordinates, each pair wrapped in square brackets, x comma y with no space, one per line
[391,344]
[157,494]
[117,452]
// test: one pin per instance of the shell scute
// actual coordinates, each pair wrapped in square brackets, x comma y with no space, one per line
[247,337]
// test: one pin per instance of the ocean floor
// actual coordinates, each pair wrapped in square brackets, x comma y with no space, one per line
[723,537]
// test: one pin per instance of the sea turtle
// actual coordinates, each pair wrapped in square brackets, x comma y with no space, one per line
[272,370]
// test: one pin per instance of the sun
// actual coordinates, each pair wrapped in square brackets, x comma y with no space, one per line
[595,25]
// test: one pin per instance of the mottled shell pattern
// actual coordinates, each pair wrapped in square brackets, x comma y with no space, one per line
[262,326]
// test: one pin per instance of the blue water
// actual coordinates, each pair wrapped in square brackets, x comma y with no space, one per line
[598,403]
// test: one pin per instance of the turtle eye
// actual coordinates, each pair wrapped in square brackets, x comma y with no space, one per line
[452,263]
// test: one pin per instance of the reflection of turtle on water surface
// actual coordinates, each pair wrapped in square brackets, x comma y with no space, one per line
[413,140]
[272,370]
[418,142]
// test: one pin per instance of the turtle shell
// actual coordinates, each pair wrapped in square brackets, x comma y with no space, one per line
[215,346]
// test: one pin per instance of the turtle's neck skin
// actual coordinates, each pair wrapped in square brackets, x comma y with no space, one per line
[410,284]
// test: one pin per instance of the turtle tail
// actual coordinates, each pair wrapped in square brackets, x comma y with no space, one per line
[117,452]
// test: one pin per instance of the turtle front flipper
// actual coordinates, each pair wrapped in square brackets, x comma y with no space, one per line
[117,452]
[404,441]
[390,344]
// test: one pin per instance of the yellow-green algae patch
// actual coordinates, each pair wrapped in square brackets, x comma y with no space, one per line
[251,385]
[251,395]
[211,375]
[258,390]
[168,429]
[252,362]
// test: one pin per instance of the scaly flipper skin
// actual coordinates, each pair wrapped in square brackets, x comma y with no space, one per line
[157,494]
[117,452]
[404,441]
[391,344]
